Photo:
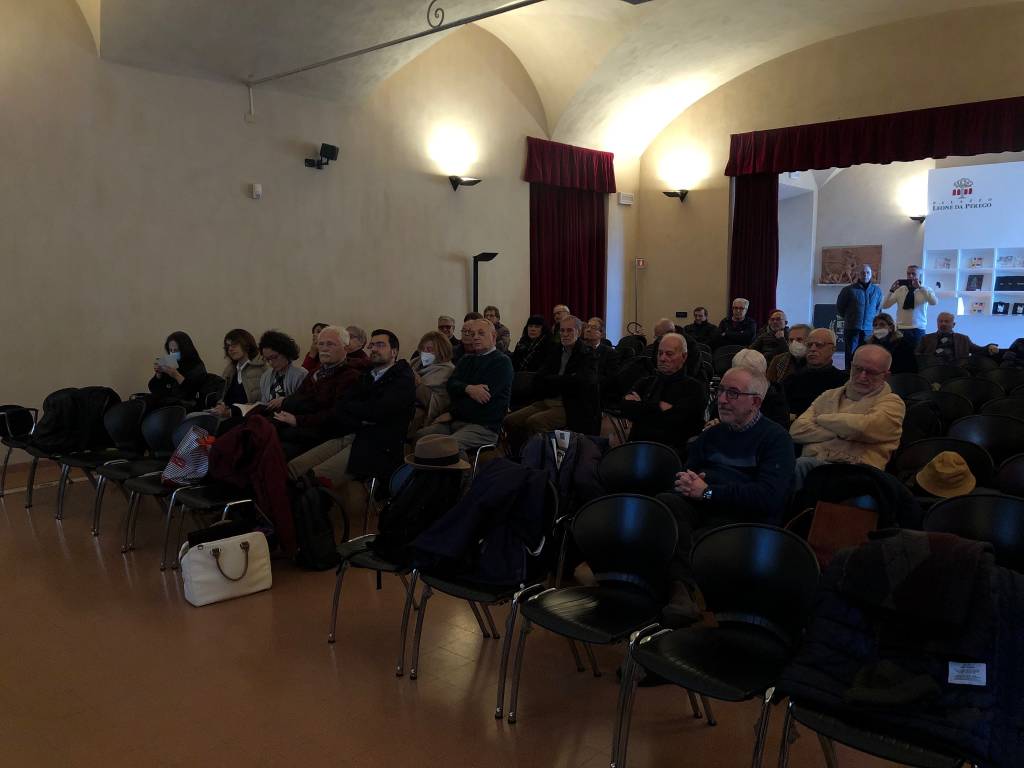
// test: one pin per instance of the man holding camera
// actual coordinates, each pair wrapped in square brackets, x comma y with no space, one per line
[911,299]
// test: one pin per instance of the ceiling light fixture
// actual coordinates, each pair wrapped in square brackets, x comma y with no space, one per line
[680,193]
[463,181]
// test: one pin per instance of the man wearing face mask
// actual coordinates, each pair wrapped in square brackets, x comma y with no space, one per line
[818,374]
[858,303]
[951,348]
[794,359]
[912,300]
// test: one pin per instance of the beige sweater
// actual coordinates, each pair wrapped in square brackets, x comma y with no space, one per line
[838,429]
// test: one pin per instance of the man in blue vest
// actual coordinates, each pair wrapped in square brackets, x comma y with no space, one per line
[858,304]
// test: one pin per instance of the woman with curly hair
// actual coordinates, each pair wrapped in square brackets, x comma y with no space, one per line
[282,377]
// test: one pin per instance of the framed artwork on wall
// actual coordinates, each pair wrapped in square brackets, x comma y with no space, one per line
[840,263]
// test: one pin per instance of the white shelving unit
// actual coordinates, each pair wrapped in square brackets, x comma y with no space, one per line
[967,281]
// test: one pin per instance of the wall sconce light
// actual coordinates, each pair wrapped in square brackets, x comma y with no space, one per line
[680,193]
[328,152]
[463,181]
[919,219]
[485,256]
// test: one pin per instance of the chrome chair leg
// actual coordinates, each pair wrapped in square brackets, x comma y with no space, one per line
[787,725]
[400,667]
[517,671]
[333,630]
[476,457]
[575,654]
[479,621]
[405,583]
[133,501]
[167,526]
[177,539]
[62,489]
[380,582]
[593,659]
[707,710]
[3,472]
[424,597]
[627,689]
[101,488]
[506,645]
[762,728]
[693,705]
[828,749]
[30,483]
[490,621]
[369,503]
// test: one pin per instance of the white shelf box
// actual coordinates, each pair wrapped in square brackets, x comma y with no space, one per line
[1009,259]
[977,258]
[942,260]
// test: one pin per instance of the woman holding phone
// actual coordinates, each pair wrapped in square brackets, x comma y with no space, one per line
[178,375]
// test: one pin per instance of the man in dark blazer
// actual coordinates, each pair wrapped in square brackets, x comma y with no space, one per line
[951,348]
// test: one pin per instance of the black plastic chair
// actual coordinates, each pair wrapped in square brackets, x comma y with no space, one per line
[1005,406]
[909,459]
[123,423]
[1008,378]
[641,467]
[978,391]
[940,374]
[951,405]
[1001,436]
[17,423]
[906,384]
[990,517]
[921,420]
[1010,476]
[158,434]
[722,358]
[198,499]
[978,365]
[628,541]
[760,582]
[1018,391]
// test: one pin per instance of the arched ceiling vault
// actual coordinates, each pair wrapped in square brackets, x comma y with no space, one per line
[610,74]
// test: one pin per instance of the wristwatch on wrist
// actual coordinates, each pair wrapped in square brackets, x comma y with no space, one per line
[706,496]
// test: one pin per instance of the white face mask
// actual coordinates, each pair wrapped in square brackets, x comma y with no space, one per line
[797,348]
[427,358]
[880,333]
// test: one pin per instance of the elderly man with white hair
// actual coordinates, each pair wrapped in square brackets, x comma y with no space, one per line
[773,406]
[859,423]
[739,470]
[737,328]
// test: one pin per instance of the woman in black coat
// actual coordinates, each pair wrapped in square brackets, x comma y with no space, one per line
[885,334]
[532,346]
[173,385]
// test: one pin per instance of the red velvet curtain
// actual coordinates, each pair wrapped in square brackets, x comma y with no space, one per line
[758,157]
[754,266]
[569,187]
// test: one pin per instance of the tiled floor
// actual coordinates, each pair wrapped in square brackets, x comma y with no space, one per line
[102,663]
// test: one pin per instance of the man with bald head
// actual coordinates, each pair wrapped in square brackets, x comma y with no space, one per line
[665,326]
[479,387]
[859,423]
[817,375]
[667,406]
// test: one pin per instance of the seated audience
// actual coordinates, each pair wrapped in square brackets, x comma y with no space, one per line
[242,374]
[282,377]
[774,338]
[598,323]
[503,338]
[739,470]
[461,350]
[431,370]
[479,389]
[303,413]
[700,330]
[312,359]
[446,327]
[668,406]
[817,376]
[364,434]
[859,423]
[179,383]
[794,358]
[559,313]
[664,326]
[606,359]
[886,335]
[951,348]
[773,405]
[1014,356]
[566,389]
[531,347]
[737,328]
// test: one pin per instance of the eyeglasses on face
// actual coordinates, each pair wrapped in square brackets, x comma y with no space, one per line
[733,394]
[858,370]
[819,344]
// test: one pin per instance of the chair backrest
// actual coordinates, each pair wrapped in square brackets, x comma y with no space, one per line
[978,391]
[905,384]
[1018,391]
[1008,378]
[641,467]
[158,429]
[908,459]
[201,419]
[939,374]
[921,420]
[1001,436]
[1005,406]
[757,574]
[124,424]
[627,538]
[989,517]
[209,391]
[951,405]
[978,365]
[15,421]
[722,359]
[1010,476]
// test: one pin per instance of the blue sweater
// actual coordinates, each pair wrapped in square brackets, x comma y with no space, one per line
[749,472]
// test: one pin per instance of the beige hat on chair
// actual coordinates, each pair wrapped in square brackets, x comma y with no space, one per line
[946,475]
[437,452]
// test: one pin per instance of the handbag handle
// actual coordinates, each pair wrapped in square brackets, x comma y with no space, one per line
[216,556]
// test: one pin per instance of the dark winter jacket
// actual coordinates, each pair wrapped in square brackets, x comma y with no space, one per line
[742,333]
[858,305]
[577,387]
[314,401]
[688,398]
[167,391]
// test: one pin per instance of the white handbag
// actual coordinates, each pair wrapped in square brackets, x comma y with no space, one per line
[227,568]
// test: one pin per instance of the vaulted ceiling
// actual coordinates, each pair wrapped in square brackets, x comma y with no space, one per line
[610,74]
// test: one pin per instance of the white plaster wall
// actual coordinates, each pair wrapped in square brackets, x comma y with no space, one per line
[796,257]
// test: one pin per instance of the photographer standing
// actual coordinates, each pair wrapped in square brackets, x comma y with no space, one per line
[912,300]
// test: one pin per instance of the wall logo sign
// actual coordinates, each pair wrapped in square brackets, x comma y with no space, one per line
[963,187]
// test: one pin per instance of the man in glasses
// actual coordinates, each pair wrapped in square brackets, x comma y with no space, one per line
[737,328]
[859,423]
[817,376]
[739,470]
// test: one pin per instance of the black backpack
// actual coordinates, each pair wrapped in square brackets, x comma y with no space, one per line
[422,499]
[314,532]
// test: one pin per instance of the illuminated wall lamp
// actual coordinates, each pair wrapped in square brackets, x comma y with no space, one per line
[463,181]
[680,193]
[919,219]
